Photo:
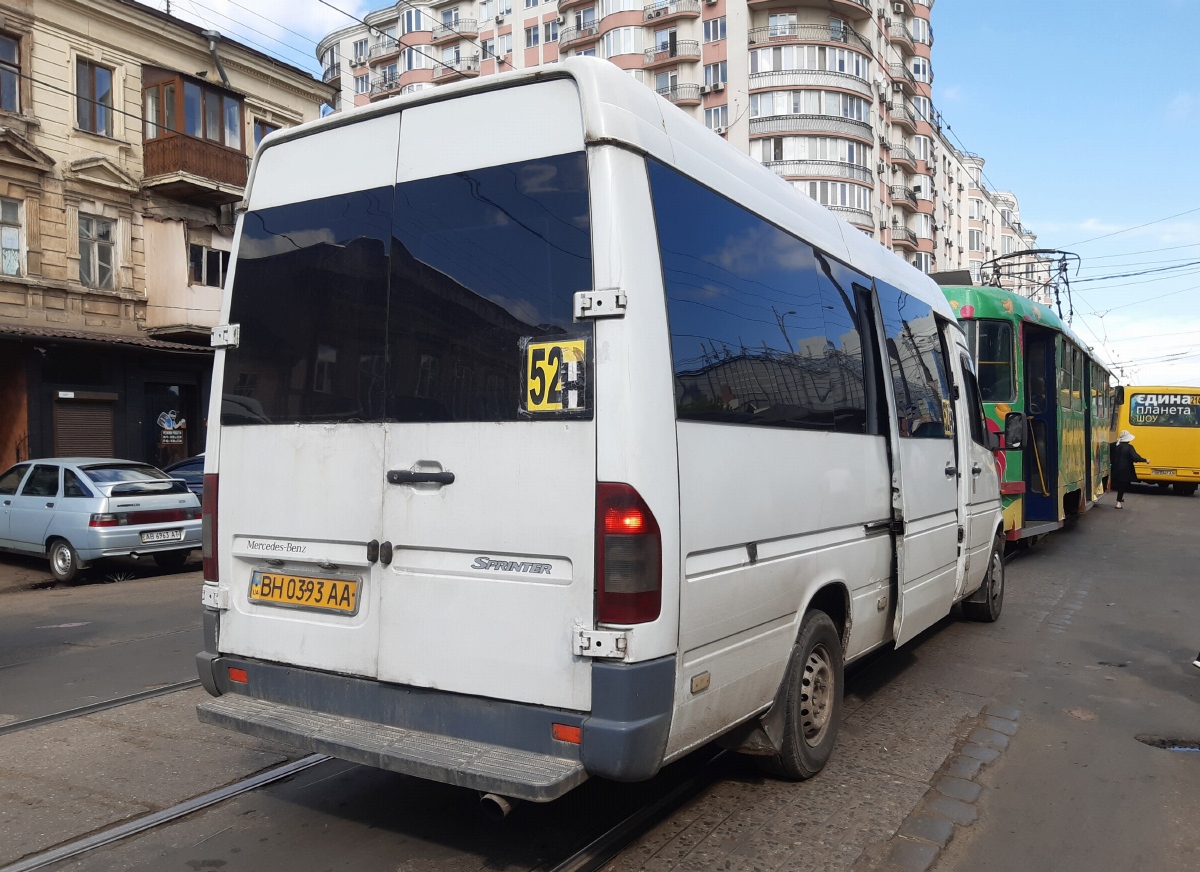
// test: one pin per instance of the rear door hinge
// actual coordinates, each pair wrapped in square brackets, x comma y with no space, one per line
[214,596]
[608,303]
[609,644]
[225,336]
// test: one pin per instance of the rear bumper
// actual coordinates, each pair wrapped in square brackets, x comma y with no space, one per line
[484,744]
[1182,474]
[120,541]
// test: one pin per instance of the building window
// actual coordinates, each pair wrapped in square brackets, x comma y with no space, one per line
[532,35]
[488,48]
[529,4]
[922,108]
[94,101]
[503,7]
[975,240]
[921,70]
[623,40]
[212,115]
[717,116]
[207,266]
[976,270]
[261,129]
[714,29]
[413,19]
[10,74]
[362,84]
[923,261]
[97,255]
[809,57]
[551,28]
[504,43]
[486,11]
[10,237]
[361,48]
[714,73]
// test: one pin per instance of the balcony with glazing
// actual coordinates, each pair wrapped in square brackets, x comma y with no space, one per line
[681,95]
[848,8]
[810,79]
[670,10]
[589,31]
[821,169]
[824,124]
[684,49]
[462,68]
[467,27]
[904,197]
[783,34]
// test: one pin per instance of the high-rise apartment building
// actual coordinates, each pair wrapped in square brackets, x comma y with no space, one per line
[832,95]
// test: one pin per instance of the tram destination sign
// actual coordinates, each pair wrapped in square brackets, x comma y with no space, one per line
[1165,410]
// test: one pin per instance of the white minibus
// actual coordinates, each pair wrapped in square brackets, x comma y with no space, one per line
[553,437]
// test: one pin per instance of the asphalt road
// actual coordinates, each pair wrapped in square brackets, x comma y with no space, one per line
[66,647]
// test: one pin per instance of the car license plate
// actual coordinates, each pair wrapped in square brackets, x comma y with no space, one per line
[326,594]
[1163,471]
[162,536]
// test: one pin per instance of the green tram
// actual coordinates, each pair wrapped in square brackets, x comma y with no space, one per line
[1040,385]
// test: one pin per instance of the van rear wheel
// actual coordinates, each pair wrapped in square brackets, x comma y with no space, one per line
[813,715]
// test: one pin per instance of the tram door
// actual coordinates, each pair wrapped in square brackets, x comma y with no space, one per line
[1041,459]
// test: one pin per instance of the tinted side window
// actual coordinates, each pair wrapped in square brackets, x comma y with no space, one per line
[481,261]
[763,328]
[918,363]
[43,482]
[974,404]
[11,480]
[310,294]
[73,487]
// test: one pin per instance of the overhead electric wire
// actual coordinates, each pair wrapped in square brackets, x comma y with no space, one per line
[1136,227]
[241,37]
[1190,265]
[1143,251]
[235,23]
[399,41]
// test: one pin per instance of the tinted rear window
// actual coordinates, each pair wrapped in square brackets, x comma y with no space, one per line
[123,472]
[408,304]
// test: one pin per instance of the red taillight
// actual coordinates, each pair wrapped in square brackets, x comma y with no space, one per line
[105,521]
[208,527]
[628,557]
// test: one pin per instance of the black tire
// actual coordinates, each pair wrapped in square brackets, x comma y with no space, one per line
[813,715]
[171,560]
[64,561]
[1185,490]
[992,589]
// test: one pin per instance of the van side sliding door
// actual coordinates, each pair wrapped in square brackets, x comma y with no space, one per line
[928,464]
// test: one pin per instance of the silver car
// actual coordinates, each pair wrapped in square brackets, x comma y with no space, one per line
[75,510]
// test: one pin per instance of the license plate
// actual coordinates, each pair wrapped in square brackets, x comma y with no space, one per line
[162,536]
[325,594]
[1163,471]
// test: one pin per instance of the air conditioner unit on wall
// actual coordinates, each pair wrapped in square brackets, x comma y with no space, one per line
[719,131]
[704,89]
[898,8]
[897,86]
[718,86]
[710,2]
[882,167]
[561,20]
[499,19]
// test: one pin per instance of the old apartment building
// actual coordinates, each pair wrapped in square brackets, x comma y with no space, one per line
[833,95]
[125,141]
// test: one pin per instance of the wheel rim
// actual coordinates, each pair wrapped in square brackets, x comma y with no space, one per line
[817,688]
[997,580]
[60,557]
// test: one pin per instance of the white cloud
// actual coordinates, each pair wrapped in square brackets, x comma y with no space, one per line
[951,94]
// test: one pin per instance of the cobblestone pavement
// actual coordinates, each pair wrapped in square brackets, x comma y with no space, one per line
[911,720]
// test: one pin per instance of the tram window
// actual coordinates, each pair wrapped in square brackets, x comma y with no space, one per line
[763,328]
[1065,377]
[1036,367]
[918,362]
[993,350]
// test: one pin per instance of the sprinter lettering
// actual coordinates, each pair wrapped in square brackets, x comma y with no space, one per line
[512,566]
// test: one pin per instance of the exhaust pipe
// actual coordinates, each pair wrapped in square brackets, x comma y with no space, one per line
[495,807]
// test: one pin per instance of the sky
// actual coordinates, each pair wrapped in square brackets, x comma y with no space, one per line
[1068,102]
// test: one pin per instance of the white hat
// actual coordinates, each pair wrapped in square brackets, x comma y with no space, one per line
[1125,436]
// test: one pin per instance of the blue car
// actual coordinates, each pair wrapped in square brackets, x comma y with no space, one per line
[74,510]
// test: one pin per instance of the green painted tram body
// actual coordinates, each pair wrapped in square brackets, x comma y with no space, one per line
[1065,464]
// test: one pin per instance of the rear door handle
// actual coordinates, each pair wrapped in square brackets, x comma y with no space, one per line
[976,469]
[49,505]
[951,470]
[406,476]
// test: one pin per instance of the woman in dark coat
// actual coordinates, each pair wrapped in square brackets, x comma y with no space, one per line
[1123,458]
